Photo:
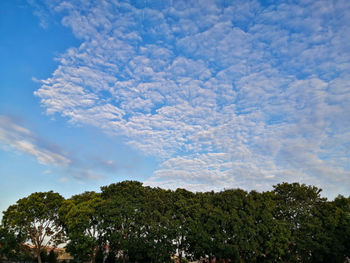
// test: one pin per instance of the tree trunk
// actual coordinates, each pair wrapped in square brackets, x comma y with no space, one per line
[38,254]
[93,256]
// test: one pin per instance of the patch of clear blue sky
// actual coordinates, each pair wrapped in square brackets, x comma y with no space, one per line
[27,51]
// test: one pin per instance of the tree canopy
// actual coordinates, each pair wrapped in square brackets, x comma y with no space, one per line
[130,222]
[35,219]
[79,216]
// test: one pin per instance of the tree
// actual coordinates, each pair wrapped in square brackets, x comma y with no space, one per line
[132,223]
[80,218]
[44,255]
[208,233]
[333,241]
[343,229]
[99,258]
[137,222]
[52,257]
[297,207]
[236,224]
[184,206]
[9,244]
[270,236]
[155,231]
[35,218]
[122,211]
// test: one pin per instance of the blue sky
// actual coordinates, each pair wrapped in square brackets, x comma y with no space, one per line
[204,95]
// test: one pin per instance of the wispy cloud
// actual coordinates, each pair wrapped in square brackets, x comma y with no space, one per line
[23,140]
[15,137]
[42,11]
[266,88]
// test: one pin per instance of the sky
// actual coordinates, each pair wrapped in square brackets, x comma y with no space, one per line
[203,95]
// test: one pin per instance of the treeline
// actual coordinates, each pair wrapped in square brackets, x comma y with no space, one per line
[128,222]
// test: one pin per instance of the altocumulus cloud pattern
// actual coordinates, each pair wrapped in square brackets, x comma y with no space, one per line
[222,93]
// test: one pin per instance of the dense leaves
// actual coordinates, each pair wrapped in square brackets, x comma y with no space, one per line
[35,219]
[9,244]
[80,217]
[128,222]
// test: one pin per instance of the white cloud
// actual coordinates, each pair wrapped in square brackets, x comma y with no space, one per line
[23,140]
[78,165]
[187,82]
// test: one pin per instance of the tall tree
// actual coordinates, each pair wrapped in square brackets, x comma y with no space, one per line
[122,214]
[80,218]
[184,206]
[35,218]
[296,206]
[236,223]
[269,236]
[208,235]
[155,225]
[334,238]
[9,244]
[137,222]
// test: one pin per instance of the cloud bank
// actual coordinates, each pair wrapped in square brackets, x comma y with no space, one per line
[224,94]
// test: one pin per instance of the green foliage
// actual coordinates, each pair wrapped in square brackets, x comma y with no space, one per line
[9,244]
[80,217]
[128,222]
[297,206]
[35,219]
[136,220]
